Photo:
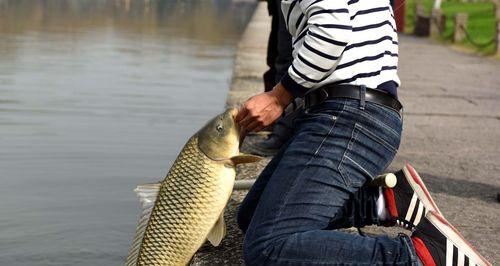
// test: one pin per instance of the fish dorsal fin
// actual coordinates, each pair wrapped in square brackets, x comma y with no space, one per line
[147,193]
[147,196]
[218,231]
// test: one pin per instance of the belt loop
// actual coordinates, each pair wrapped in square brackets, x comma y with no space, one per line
[362,97]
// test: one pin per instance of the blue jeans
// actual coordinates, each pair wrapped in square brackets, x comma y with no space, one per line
[315,184]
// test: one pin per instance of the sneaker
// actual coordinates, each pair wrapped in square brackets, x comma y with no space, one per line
[267,147]
[437,242]
[409,201]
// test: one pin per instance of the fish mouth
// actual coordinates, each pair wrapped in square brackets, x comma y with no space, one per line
[233,112]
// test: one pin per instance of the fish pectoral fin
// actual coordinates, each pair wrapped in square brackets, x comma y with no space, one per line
[218,231]
[245,158]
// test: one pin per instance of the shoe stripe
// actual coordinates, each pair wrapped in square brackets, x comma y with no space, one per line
[455,256]
[454,236]
[411,208]
[419,213]
[472,262]
[415,212]
[461,256]
[409,170]
[449,253]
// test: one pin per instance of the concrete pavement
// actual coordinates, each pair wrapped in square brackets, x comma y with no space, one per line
[451,134]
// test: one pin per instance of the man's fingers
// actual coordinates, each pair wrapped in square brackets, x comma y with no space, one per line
[252,126]
[243,134]
[259,128]
[246,121]
[242,113]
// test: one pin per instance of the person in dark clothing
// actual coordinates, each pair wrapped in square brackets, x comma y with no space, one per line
[283,58]
[272,47]
[279,59]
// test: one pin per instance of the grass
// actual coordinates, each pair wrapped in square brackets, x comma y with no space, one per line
[481,25]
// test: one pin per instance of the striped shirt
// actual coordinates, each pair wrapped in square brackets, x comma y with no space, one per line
[341,42]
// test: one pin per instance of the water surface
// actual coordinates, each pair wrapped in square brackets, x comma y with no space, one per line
[96,97]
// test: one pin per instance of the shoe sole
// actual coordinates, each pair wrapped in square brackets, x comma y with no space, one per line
[455,238]
[420,189]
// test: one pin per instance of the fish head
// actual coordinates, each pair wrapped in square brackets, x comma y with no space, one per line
[219,139]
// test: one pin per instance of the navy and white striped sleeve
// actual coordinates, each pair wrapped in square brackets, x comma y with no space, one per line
[328,33]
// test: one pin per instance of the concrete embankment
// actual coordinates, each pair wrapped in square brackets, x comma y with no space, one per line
[250,64]
[451,135]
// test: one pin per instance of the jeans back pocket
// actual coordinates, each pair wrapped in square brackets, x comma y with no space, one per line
[367,155]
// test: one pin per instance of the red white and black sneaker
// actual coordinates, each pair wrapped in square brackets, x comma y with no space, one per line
[437,242]
[409,201]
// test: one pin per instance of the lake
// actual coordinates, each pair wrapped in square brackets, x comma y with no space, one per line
[97,97]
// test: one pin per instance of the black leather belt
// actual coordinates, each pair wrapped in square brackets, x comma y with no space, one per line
[350,92]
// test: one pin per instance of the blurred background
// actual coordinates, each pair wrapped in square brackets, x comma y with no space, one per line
[97,97]
[438,18]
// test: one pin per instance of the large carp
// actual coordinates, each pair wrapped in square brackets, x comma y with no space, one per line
[184,210]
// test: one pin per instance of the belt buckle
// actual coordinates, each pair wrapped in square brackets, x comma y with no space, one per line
[324,95]
[315,97]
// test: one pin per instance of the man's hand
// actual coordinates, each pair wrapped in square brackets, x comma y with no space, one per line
[263,109]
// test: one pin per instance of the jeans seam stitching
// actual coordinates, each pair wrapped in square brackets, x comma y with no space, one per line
[323,141]
[340,168]
[366,115]
[317,262]
[294,185]
[361,167]
[311,116]
[377,139]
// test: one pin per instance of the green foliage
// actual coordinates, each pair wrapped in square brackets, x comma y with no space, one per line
[481,25]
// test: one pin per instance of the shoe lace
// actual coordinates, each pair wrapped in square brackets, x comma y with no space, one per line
[404,224]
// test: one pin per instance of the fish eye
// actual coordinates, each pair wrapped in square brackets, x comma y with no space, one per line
[219,128]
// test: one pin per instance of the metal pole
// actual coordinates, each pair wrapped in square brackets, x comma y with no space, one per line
[243,184]
[386,180]
[437,4]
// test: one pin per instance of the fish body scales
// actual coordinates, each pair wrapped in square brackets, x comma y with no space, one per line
[190,201]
